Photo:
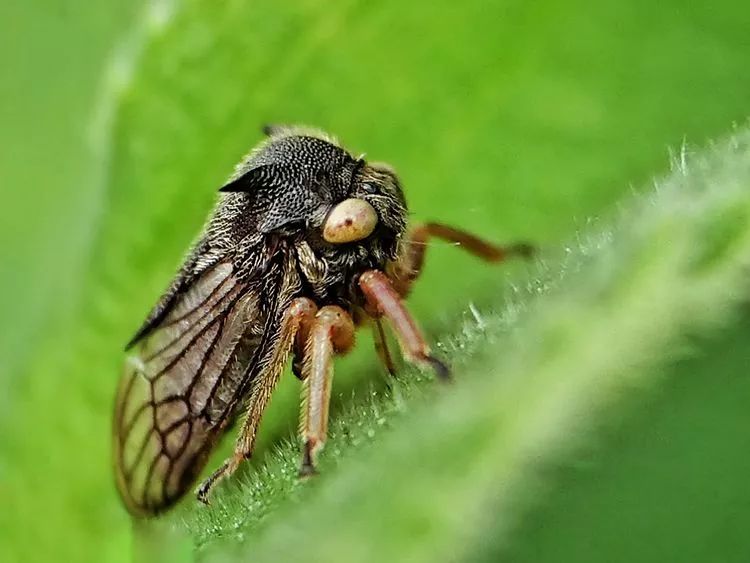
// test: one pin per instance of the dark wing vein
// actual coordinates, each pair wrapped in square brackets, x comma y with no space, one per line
[211,303]
[163,430]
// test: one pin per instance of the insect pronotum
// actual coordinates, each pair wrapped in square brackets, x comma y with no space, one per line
[305,238]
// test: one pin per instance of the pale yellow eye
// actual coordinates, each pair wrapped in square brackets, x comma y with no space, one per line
[350,221]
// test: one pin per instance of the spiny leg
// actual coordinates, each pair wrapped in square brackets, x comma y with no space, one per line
[385,300]
[332,333]
[408,266]
[298,315]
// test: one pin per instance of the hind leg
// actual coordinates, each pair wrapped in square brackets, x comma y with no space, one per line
[297,317]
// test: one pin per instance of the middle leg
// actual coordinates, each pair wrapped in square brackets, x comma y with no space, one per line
[381,346]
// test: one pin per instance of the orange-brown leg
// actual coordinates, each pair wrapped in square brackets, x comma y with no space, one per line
[381,346]
[407,268]
[300,342]
[298,315]
[332,333]
[383,298]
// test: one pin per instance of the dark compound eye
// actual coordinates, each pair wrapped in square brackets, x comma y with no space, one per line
[369,188]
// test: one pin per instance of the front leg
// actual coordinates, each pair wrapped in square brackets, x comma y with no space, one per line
[406,269]
[383,299]
[332,332]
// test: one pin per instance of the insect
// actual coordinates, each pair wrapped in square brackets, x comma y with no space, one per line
[306,242]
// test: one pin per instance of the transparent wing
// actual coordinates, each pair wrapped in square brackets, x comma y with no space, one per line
[178,387]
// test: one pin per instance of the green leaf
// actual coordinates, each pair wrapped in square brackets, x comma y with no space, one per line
[517,120]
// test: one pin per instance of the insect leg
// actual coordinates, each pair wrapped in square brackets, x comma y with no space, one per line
[381,346]
[382,296]
[409,265]
[300,341]
[298,315]
[332,332]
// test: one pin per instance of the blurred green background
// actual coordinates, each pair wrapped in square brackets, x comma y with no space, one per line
[120,119]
